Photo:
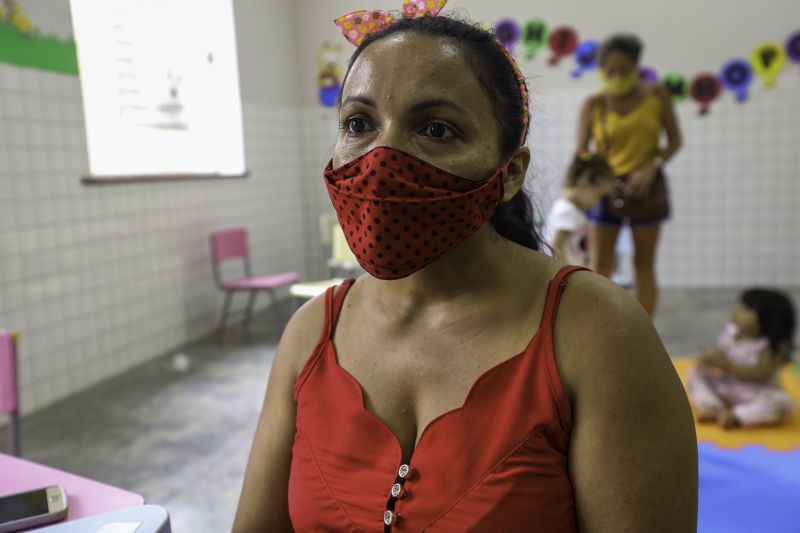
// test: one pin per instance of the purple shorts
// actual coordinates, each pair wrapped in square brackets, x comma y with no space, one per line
[601,215]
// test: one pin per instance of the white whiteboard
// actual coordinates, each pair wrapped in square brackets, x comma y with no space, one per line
[160,86]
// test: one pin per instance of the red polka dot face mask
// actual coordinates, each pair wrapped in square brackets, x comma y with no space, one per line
[400,214]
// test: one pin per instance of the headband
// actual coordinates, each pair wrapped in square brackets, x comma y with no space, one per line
[357,25]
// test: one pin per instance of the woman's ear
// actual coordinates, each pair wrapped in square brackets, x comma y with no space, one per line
[515,173]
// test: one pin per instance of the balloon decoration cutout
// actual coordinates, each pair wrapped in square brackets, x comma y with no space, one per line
[507,31]
[705,89]
[648,75]
[677,87]
[534,35]
[563,41]
[736,76]
[585,58]
[768,60]
[793,47]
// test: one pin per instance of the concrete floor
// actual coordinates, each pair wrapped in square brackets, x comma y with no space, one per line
[181,439]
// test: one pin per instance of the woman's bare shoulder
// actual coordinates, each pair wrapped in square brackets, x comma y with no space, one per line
[600,326]
[302,334]
[592,100]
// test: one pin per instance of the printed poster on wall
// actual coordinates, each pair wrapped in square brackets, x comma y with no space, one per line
[160,86]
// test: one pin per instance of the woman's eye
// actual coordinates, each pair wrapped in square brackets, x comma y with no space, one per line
[437,130]
[356,125]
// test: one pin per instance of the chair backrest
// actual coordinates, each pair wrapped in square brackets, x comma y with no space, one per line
[8,373]
[340,250]
[327,221]
[229,244]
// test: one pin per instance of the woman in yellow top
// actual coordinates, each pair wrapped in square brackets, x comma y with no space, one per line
[625,121]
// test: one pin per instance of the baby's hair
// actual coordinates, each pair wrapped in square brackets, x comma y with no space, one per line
[776,316]
[593,166]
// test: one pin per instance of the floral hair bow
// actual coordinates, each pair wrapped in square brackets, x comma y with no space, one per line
[357,25]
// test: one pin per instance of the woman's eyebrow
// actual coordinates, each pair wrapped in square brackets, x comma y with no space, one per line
[436,102]
[416,108]
[361,99]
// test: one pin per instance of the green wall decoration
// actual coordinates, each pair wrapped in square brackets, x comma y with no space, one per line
[23,45]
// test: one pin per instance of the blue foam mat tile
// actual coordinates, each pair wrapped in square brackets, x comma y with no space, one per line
[748,490]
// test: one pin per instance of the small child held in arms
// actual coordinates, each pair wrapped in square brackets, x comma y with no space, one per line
[736,383]
[588,179]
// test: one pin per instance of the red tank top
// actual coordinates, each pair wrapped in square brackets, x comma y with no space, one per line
[498,463]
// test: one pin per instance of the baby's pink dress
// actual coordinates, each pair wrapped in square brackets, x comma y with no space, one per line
[753,403]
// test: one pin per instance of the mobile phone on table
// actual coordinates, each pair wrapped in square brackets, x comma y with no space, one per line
[32,508]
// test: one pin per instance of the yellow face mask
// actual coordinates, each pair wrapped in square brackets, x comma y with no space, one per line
[620,85]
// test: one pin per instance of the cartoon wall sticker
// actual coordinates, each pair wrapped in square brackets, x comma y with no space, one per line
[329,78]
[23,45]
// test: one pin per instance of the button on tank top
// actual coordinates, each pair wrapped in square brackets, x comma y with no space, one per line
[497,463]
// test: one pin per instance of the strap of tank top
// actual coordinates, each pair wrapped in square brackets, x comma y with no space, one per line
[554,291]
[333,305]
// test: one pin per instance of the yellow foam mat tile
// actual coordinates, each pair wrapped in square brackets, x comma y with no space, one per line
[783,437]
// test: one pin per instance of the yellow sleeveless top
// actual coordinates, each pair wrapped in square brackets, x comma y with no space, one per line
[633,137]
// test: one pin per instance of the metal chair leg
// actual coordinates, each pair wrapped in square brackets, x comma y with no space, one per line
[275,309]
[225,306]
[14,434]
[248,313]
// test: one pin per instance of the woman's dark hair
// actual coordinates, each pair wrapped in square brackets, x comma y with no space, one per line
[513,219]
[776,316]
[594,166]
[627,44]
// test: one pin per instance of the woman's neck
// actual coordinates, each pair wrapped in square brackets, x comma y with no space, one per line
[633,94]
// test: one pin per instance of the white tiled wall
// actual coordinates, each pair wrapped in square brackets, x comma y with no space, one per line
[100,278]
[318,133]
[735,185]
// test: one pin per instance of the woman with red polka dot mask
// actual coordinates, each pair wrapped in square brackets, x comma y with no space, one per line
[438,391]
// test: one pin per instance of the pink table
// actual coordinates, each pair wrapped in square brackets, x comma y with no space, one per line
[84,496]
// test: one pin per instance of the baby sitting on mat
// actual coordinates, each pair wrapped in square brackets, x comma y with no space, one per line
[736,383]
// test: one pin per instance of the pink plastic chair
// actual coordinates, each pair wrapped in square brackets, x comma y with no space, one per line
[232,244]
[8,387]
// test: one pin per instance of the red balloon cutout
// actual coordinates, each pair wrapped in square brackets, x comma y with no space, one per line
[563,41]
[705,89]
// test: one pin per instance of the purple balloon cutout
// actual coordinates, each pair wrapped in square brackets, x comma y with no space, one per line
[648,74]
[507,31]
[793,47]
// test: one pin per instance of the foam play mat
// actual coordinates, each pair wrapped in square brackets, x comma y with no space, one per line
[748,490]
[784,437]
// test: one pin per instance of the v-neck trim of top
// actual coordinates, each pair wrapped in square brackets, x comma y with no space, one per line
[330,347]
